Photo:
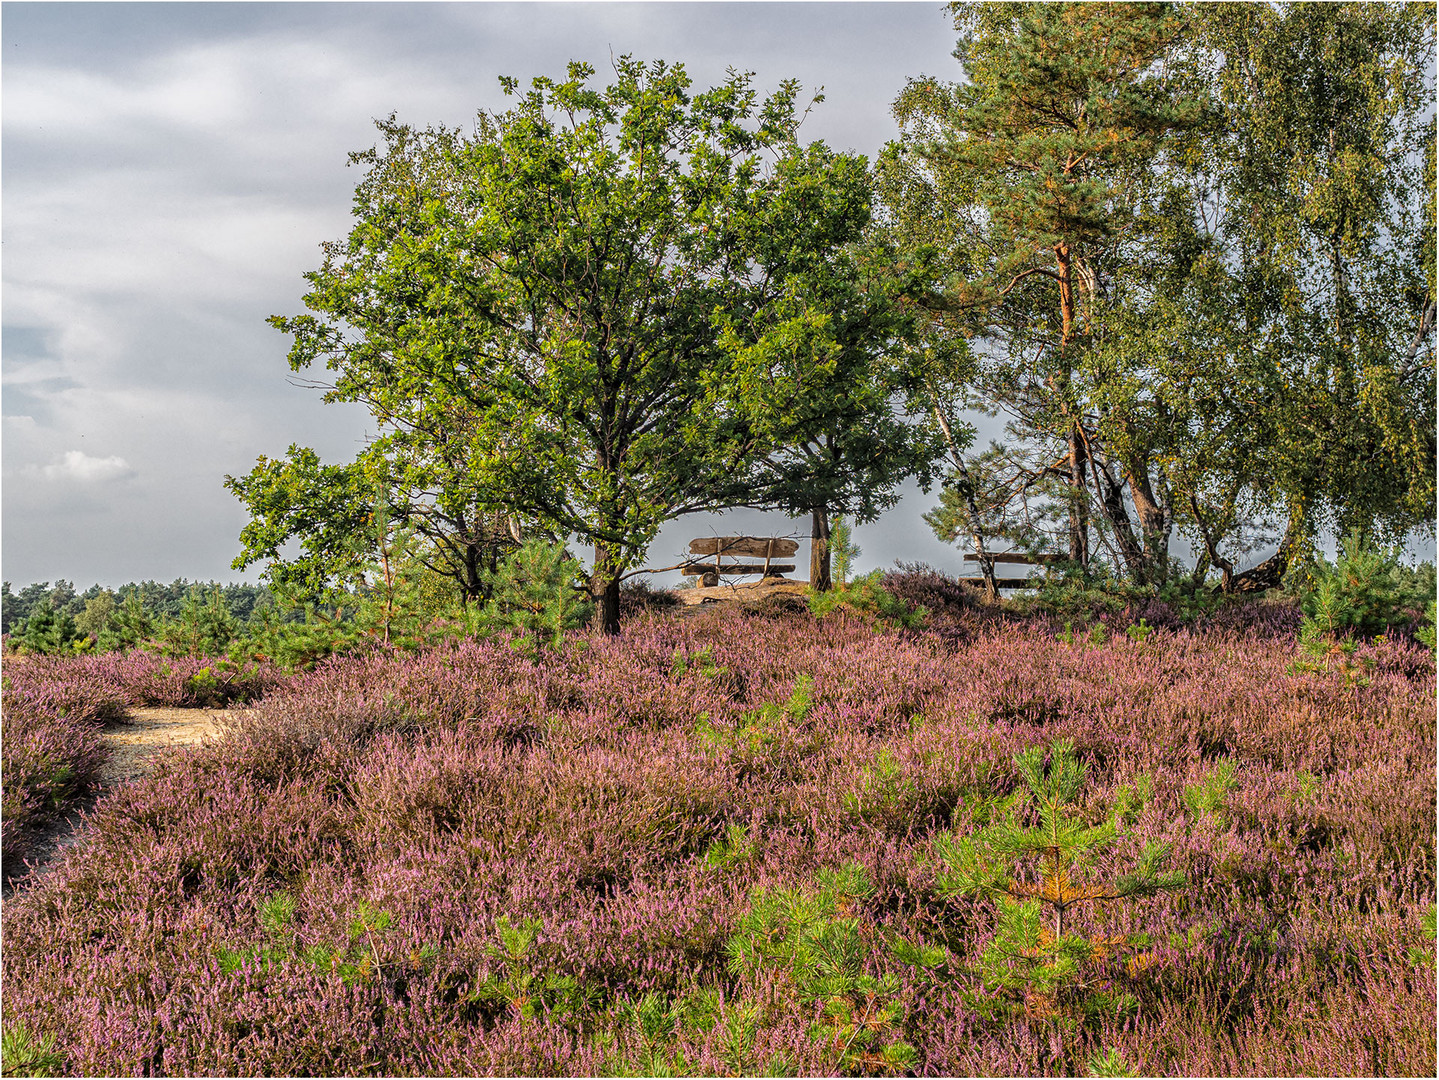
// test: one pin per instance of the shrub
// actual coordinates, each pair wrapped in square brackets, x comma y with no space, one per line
[640,596]
[1036,960]
[1359,594]
[867,597]
[22,1054]
[48,631]
[535,593]
[816,940]
[204,627]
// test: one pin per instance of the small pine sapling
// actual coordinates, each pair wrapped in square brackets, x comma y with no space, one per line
[1358,596]
[843,549]
[817,940]
[128,626]
[534,592]
[1207,799]
[1039,961]
[517,981]
[205,626]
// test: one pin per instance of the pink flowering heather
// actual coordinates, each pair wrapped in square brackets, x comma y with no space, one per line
[475,862]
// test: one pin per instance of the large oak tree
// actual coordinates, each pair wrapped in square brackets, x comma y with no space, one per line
[578,280]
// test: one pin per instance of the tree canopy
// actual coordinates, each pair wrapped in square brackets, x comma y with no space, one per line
[569,301]
[1186,246]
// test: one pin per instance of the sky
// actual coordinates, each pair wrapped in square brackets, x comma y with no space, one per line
[168,172]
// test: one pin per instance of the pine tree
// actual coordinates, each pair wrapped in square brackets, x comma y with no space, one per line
[1039,956]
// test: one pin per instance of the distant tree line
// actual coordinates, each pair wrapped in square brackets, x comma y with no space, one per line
[160,602]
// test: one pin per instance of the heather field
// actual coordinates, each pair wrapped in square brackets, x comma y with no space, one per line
[743,840]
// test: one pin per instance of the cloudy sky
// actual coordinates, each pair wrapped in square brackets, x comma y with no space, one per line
[169,171]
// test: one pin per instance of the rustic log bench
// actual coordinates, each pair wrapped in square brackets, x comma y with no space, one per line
[993,557]
[754,547]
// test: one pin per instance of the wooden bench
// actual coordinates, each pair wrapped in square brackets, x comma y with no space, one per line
[1043,559]
[755,547]
[710,566]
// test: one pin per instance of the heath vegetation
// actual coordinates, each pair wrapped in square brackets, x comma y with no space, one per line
[1145,817]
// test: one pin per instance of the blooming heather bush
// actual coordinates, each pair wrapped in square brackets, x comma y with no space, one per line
[468,861]
[103,686]
[50,759]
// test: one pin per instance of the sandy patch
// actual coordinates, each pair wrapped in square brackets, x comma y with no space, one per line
[136,745]
[136,742]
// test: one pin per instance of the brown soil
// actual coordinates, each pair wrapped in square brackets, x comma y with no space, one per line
[136,744]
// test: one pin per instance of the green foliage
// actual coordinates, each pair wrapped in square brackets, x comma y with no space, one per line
[129,625]
[326,508]
[516,981]
[843,548]
[884,795]
[1189,251]
[1037,962]
[1362,593]
[1139,632]
[867,597]
[701,663]
[1425,954]
[49,631]
[735,849]
[1110,1063]
[651,1024]
[816,940]
[23,1054]
[1131,799]
[450,309]
[93,621]
[357,961]
[536,592]
[1080,595]
[1208,798]
[299,646]
[205,626]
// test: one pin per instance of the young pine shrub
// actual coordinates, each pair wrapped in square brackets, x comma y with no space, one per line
[1041,963]
[127,626]
[867,597]
[534,592]
[1363,593]
[49,631]
[843,549]
[819,943]
[205,626]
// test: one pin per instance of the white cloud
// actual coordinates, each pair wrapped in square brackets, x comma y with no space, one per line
[76,465]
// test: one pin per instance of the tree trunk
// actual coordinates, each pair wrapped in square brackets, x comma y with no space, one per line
[1078,510]
[1270,573]
[605,592]
[819,579]
[1153,522]
[1111,501]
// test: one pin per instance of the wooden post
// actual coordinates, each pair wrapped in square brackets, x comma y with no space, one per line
[768,551]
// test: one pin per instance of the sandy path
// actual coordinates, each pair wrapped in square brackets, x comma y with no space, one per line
[136,742]
[136,745]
